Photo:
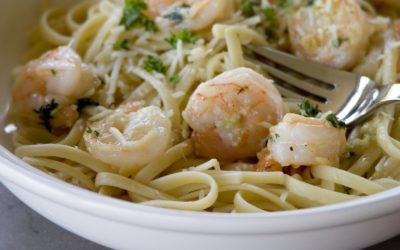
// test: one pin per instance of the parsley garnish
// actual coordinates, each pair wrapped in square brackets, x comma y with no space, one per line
[46,113]
[134,14]
[85,102]
[273,137]
[174,16]
[102,81]
[270,34]
[270,14]
[177,14]
[310,2]
[53,72]
[338,42]
[248,6]
[347,190]
[123,44]
[185,36]
[93,132]
[154,64]
[308,110]
[335,121]
[284,3]
[174,80]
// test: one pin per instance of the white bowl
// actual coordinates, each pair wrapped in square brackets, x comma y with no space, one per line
[123,225]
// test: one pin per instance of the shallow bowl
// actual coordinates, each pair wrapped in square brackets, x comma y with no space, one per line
[122,225]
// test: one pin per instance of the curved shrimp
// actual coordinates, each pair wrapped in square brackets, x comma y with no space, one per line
[56,80]
[231,114]
[201,13]
[131,137]
[332,32]
[300,141]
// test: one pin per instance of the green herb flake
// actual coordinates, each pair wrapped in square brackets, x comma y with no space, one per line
[46,113]
[310,2]
[248,6]
[94,132]
[102,81]
[337,42]
[149,25]
[154,64]
[347,190]
[133,14]
[123,44]
[285,3]
[335,121]
[85,102]
[273,137]
[270,14]
[185,36]
[307,109]
[53,72]
[174,79]
[176,15]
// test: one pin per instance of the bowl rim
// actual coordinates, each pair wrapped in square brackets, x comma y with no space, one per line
[14,171]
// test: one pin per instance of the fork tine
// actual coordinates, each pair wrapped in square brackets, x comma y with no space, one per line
[311,69]
[289,94]
[297,83]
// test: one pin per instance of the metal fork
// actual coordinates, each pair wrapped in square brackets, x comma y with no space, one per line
[352,97]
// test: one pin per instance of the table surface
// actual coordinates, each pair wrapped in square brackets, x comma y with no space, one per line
[23,229]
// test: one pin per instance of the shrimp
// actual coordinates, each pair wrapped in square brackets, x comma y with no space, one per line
[54,81]
[231,114]
[300,141]
[131,137]
[332,32]
[200,15]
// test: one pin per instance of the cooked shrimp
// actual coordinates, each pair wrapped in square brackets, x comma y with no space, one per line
[201,13]
[332,32]
[231,114]
[58,78]
[130,137]
[300,141]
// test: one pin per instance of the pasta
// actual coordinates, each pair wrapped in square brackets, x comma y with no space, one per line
[155,102]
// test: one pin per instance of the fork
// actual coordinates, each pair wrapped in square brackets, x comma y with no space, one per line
[351,97]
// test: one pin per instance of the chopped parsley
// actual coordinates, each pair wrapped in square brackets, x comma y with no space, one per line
[154,64]
[174,16]
[102,81]
[307,109]
[133,14]
[270,14]
[122,44]
[285,3]
[270,34]
[174,79]
[177,15]
[46,113]
[53,72]
[185,36]
[335,121]
[337,42]
[94,132]
[85,102]
[347,190]
[248,6]
[273,137]
[310,2]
